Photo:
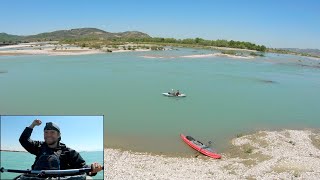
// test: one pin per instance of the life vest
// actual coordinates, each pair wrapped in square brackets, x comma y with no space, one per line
[47,159]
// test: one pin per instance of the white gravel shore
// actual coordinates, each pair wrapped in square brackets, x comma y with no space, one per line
[287,154]
[217,54]
[197,56]
[55,50]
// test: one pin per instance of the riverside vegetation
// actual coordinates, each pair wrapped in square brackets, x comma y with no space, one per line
[130,40]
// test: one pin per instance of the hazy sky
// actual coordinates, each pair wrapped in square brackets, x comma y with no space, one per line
[82,133]
[273,23]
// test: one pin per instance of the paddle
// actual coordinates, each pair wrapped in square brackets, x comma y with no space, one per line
[49,172]
[197,154]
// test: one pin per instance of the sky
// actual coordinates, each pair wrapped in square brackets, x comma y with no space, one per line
[273,23]
[81,133]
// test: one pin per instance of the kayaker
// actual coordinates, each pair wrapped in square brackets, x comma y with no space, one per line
[51,153]
[177,93]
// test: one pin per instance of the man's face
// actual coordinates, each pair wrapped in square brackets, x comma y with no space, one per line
[51,136]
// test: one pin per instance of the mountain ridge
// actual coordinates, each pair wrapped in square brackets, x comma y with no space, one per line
[77,33]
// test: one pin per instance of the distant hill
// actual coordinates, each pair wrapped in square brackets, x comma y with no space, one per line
[132,34]
[313,52]
[8,37]
[80,33]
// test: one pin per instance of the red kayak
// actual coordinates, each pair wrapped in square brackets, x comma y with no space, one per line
[199,146]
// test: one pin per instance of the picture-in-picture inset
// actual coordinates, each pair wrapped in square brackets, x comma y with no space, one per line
[54,147]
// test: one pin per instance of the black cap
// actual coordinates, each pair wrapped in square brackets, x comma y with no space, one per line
[52,126]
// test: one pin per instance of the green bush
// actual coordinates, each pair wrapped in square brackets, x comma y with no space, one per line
[248,151]
[229,52]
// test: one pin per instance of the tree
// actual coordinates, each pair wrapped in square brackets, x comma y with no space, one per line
[198,40]
[170,40]
[263,48]
[188,41]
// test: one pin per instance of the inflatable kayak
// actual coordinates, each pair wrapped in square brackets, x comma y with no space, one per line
[200,147]
[171,95]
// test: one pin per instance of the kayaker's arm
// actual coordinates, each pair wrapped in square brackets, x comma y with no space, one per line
[28,144]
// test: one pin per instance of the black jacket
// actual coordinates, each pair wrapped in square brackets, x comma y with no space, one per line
[69,158]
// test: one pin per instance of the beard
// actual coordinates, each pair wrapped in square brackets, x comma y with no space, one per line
[51,142]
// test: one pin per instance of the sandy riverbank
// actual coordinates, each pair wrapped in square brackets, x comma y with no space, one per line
[66,52]
[237,49]
[49,52]
[314,58]
[217,54]
[136,50]
[283,154]
[197,56]
[56,50]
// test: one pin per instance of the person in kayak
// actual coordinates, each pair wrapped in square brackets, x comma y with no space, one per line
[51,154]
[177,93]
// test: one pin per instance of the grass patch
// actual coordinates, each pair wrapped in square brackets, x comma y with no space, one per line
[239,135]
[315,140]
[296,169]
[248,150]
[231,52]
[257,54]
[258,139]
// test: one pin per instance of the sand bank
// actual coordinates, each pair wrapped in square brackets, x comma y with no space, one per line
[48,52]
[237,49]
[136,50]
[51,50]
[217,54]
[197,56]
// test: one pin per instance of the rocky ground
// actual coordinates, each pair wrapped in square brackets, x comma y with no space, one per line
[287,154]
